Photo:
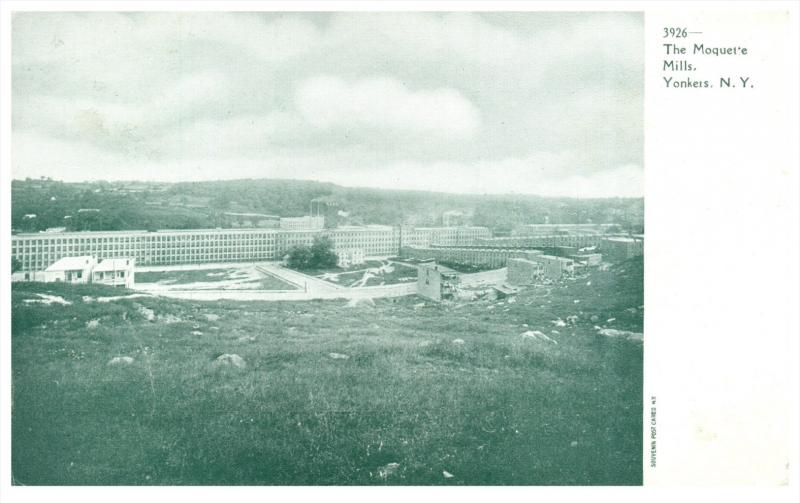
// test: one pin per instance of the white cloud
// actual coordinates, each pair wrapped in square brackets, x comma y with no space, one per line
[430,101]
[386,104]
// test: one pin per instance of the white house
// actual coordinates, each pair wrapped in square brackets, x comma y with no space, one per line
[350,257]
[70,270]
[114,272]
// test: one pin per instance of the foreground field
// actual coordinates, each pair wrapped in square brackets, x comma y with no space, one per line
[329,394]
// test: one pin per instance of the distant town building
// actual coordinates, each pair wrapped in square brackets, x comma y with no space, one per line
[306,223]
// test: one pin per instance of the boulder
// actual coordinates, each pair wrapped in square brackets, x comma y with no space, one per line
[365,302]
[230,360]
[388,470]
[146,313]
[120,360]
[620,334]
[537,335]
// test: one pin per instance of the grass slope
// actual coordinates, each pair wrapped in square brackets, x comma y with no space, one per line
[497,409]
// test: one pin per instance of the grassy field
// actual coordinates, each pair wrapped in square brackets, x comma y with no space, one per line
[191,276]
[396,273]
[184,276]
[339,270]
[496,409]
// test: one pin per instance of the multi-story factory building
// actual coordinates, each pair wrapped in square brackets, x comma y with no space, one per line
[443,236]
[489,257]
[618,249]
[37,251]
[543,241]
[559,229]
[305,223]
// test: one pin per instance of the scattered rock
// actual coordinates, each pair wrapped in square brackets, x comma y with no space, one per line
[559,323]
[388,470]
[458,341]
[610,320]
[512,300]
[594,318]
[48,299]
[574,443]
[121,360]
[120,297]
[338,356]
[577,301]
[535,334]
[420,305]
[230,360]
[197,332]
[212,317]
[146,313]
[366,302]
[447,474]
[92,323]
[623,334]
[572,319]
[169,318]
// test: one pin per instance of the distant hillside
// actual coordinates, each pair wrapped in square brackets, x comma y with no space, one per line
[141,205]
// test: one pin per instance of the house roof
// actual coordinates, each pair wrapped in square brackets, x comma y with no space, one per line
[113,264]
[71,263]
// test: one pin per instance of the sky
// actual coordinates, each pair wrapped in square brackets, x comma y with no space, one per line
[527,103]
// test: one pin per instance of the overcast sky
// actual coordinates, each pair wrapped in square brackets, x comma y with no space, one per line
[537,103]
